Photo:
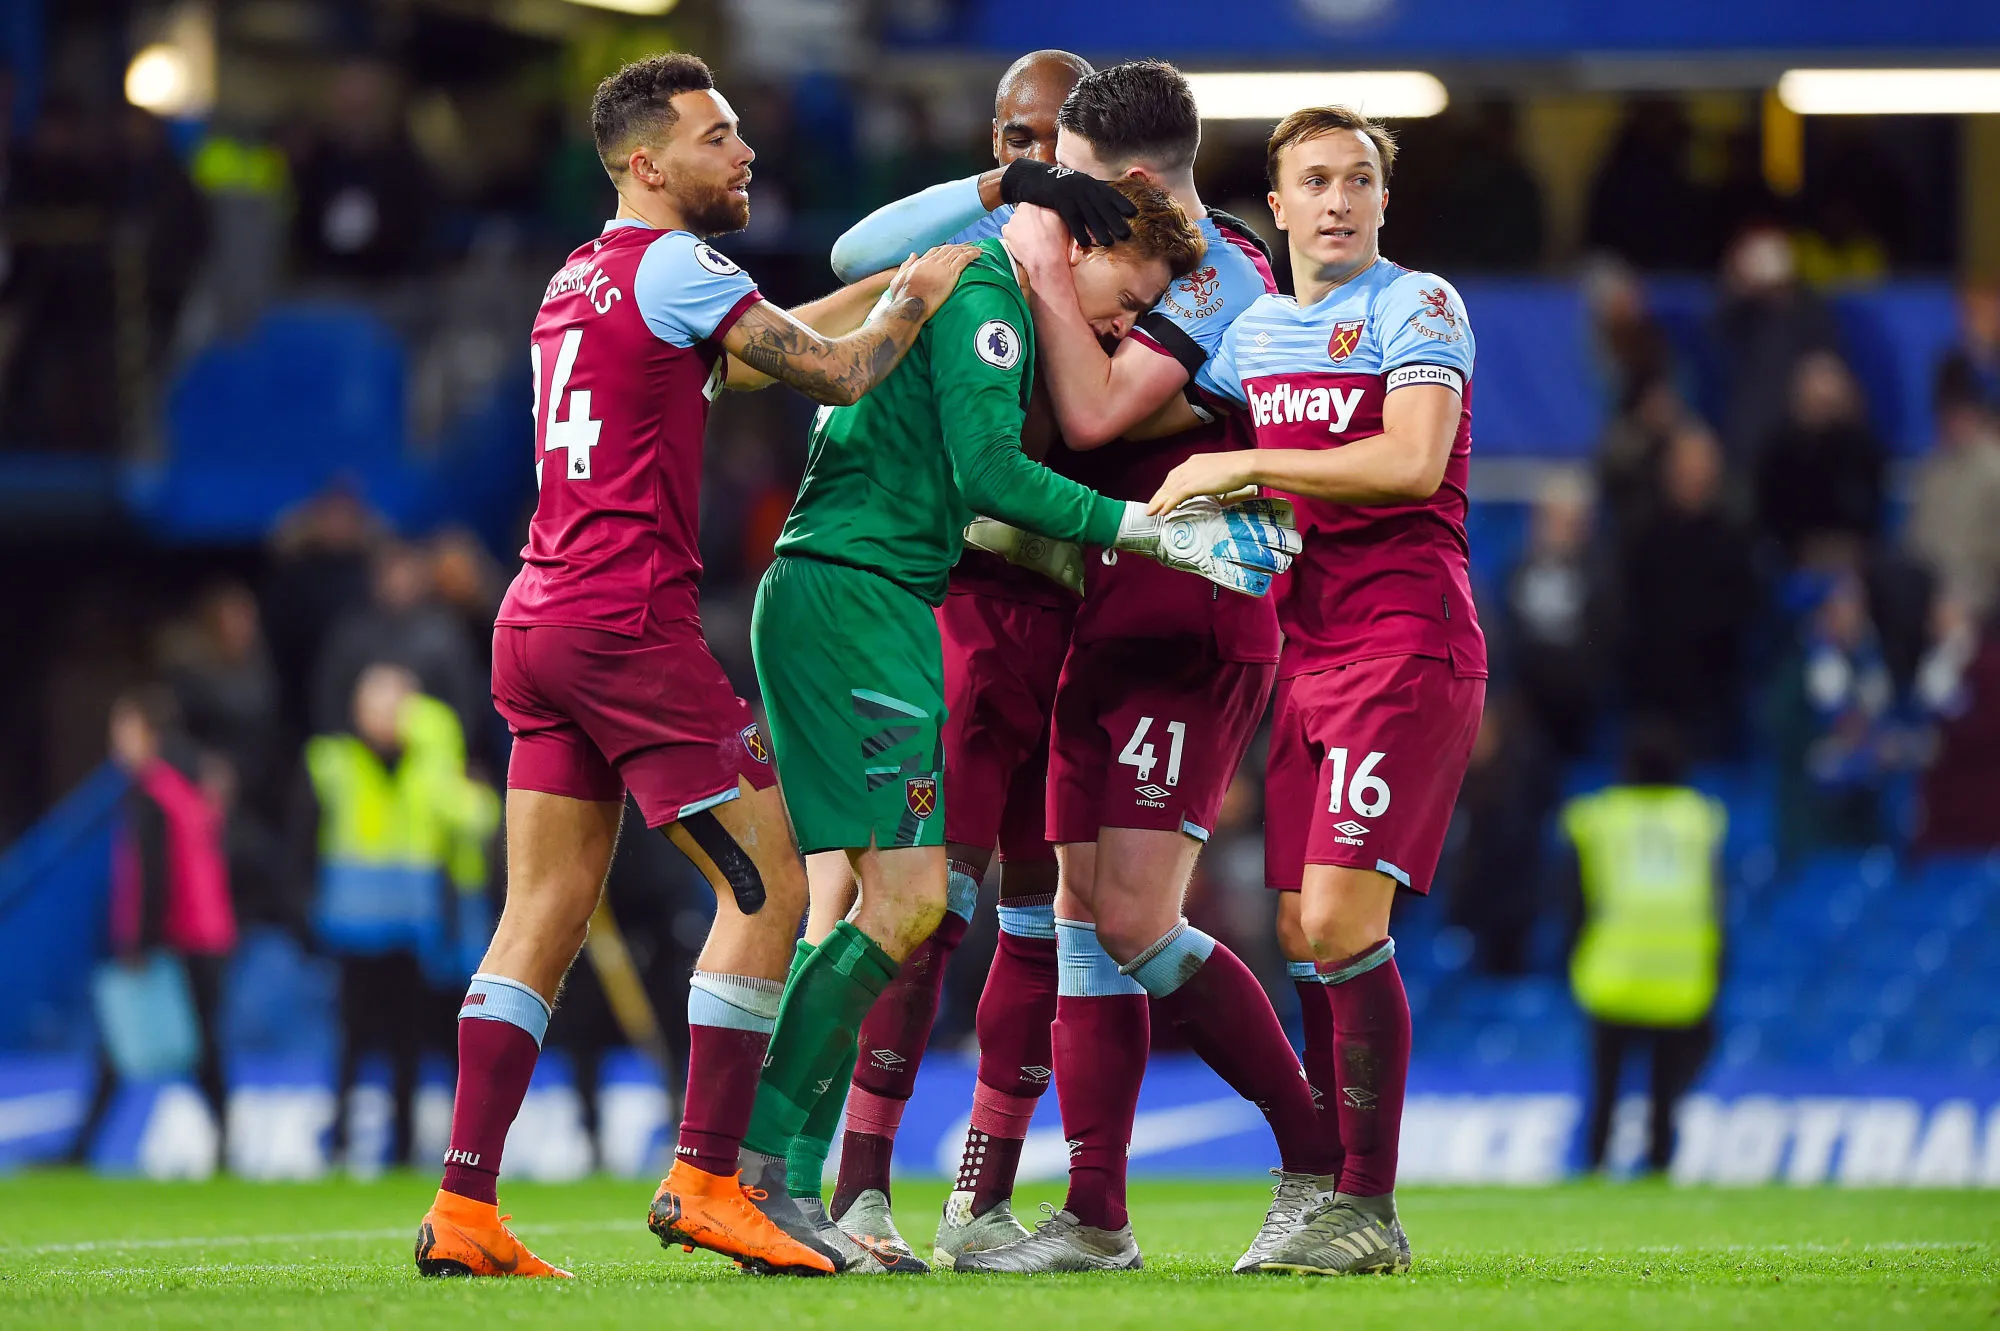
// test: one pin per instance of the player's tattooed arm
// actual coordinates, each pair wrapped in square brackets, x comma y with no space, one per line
[833,371]
[834,315]
[839,371]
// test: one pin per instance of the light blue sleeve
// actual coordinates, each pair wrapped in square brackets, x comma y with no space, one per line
[1218,374]
[685,288]
[987,227]
[895,231]
[1426,324]
[1205,303]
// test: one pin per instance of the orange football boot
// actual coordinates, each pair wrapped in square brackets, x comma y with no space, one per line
[461,1237]
[697,1209]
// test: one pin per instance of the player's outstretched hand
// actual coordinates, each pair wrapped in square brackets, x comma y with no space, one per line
[1203,474]
[930,276]
[1094,212]
[1241,546]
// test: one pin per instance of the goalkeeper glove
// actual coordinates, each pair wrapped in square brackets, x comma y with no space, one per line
[1061,561]
[1240,546]
[1094,212]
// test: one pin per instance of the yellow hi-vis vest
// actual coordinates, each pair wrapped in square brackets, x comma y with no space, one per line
[1647,953]
[389,839]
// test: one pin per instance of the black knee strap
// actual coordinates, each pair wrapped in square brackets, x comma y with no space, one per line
[731,860]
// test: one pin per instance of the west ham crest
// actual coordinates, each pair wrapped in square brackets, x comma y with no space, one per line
[920,793]
[1346,337]
[753,742]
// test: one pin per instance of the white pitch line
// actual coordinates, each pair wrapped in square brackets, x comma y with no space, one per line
[1705,1250]
[322,1236]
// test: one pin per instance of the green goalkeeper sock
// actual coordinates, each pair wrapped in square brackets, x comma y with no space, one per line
[819,1019]
[805,1163]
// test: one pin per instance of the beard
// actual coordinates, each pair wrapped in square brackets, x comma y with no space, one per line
[708,209]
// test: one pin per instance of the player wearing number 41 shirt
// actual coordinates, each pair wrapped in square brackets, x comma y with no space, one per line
[601,672]
[1160,694]
[1359,391]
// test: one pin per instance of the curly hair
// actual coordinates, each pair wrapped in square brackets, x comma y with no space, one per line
[638,101]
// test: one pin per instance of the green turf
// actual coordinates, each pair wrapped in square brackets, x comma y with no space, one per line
[80,1251]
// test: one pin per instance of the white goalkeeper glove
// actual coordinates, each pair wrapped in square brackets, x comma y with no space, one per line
[1059,561]
[1241,546]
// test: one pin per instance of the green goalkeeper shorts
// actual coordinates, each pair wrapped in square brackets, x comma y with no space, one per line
[853,680]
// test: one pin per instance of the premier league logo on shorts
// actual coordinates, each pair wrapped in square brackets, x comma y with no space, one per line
[920,793]
[753,743]
[1346,337]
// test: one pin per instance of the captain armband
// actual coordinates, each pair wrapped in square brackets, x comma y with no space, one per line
[1442,375]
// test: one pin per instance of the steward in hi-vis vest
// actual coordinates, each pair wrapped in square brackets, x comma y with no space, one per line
[1648,953]
[402,844]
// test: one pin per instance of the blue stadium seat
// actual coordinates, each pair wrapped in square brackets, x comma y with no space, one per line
[310,393]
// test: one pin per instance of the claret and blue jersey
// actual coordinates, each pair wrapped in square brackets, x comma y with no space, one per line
[626,355]
[1373,581]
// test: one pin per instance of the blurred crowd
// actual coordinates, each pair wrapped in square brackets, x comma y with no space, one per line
[374,180]
[1763,582]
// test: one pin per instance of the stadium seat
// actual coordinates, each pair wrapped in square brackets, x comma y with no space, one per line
[311,392]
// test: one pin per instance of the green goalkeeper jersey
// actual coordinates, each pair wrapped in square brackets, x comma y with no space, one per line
[892,480]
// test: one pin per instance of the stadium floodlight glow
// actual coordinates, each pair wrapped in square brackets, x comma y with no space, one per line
[1891,92]
[650,8]
[1394,94]
[159,80]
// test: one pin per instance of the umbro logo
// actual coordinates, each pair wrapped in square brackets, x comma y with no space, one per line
[887,1059]
[1357,1097]
[1075,1145]
[1350,828]
[1037,1074]
[1152,792]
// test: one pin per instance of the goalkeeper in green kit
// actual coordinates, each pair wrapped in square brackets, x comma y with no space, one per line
[850,664]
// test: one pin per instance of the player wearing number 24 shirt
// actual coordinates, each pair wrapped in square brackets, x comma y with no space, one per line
[1359,391]
[600,669]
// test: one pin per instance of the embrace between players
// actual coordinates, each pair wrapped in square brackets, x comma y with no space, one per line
[1096,387]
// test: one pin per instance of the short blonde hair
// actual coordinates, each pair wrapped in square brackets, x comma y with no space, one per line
[1315,122]
[1161,229]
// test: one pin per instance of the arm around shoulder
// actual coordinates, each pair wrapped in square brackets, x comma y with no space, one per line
[839,371]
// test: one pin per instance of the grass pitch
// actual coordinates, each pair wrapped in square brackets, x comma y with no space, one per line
[77,1251]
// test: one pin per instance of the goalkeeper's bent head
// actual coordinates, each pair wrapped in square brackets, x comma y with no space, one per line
[1117,284]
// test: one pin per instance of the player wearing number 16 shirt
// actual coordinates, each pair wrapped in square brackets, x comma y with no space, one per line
[600,669]
[1359,392]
